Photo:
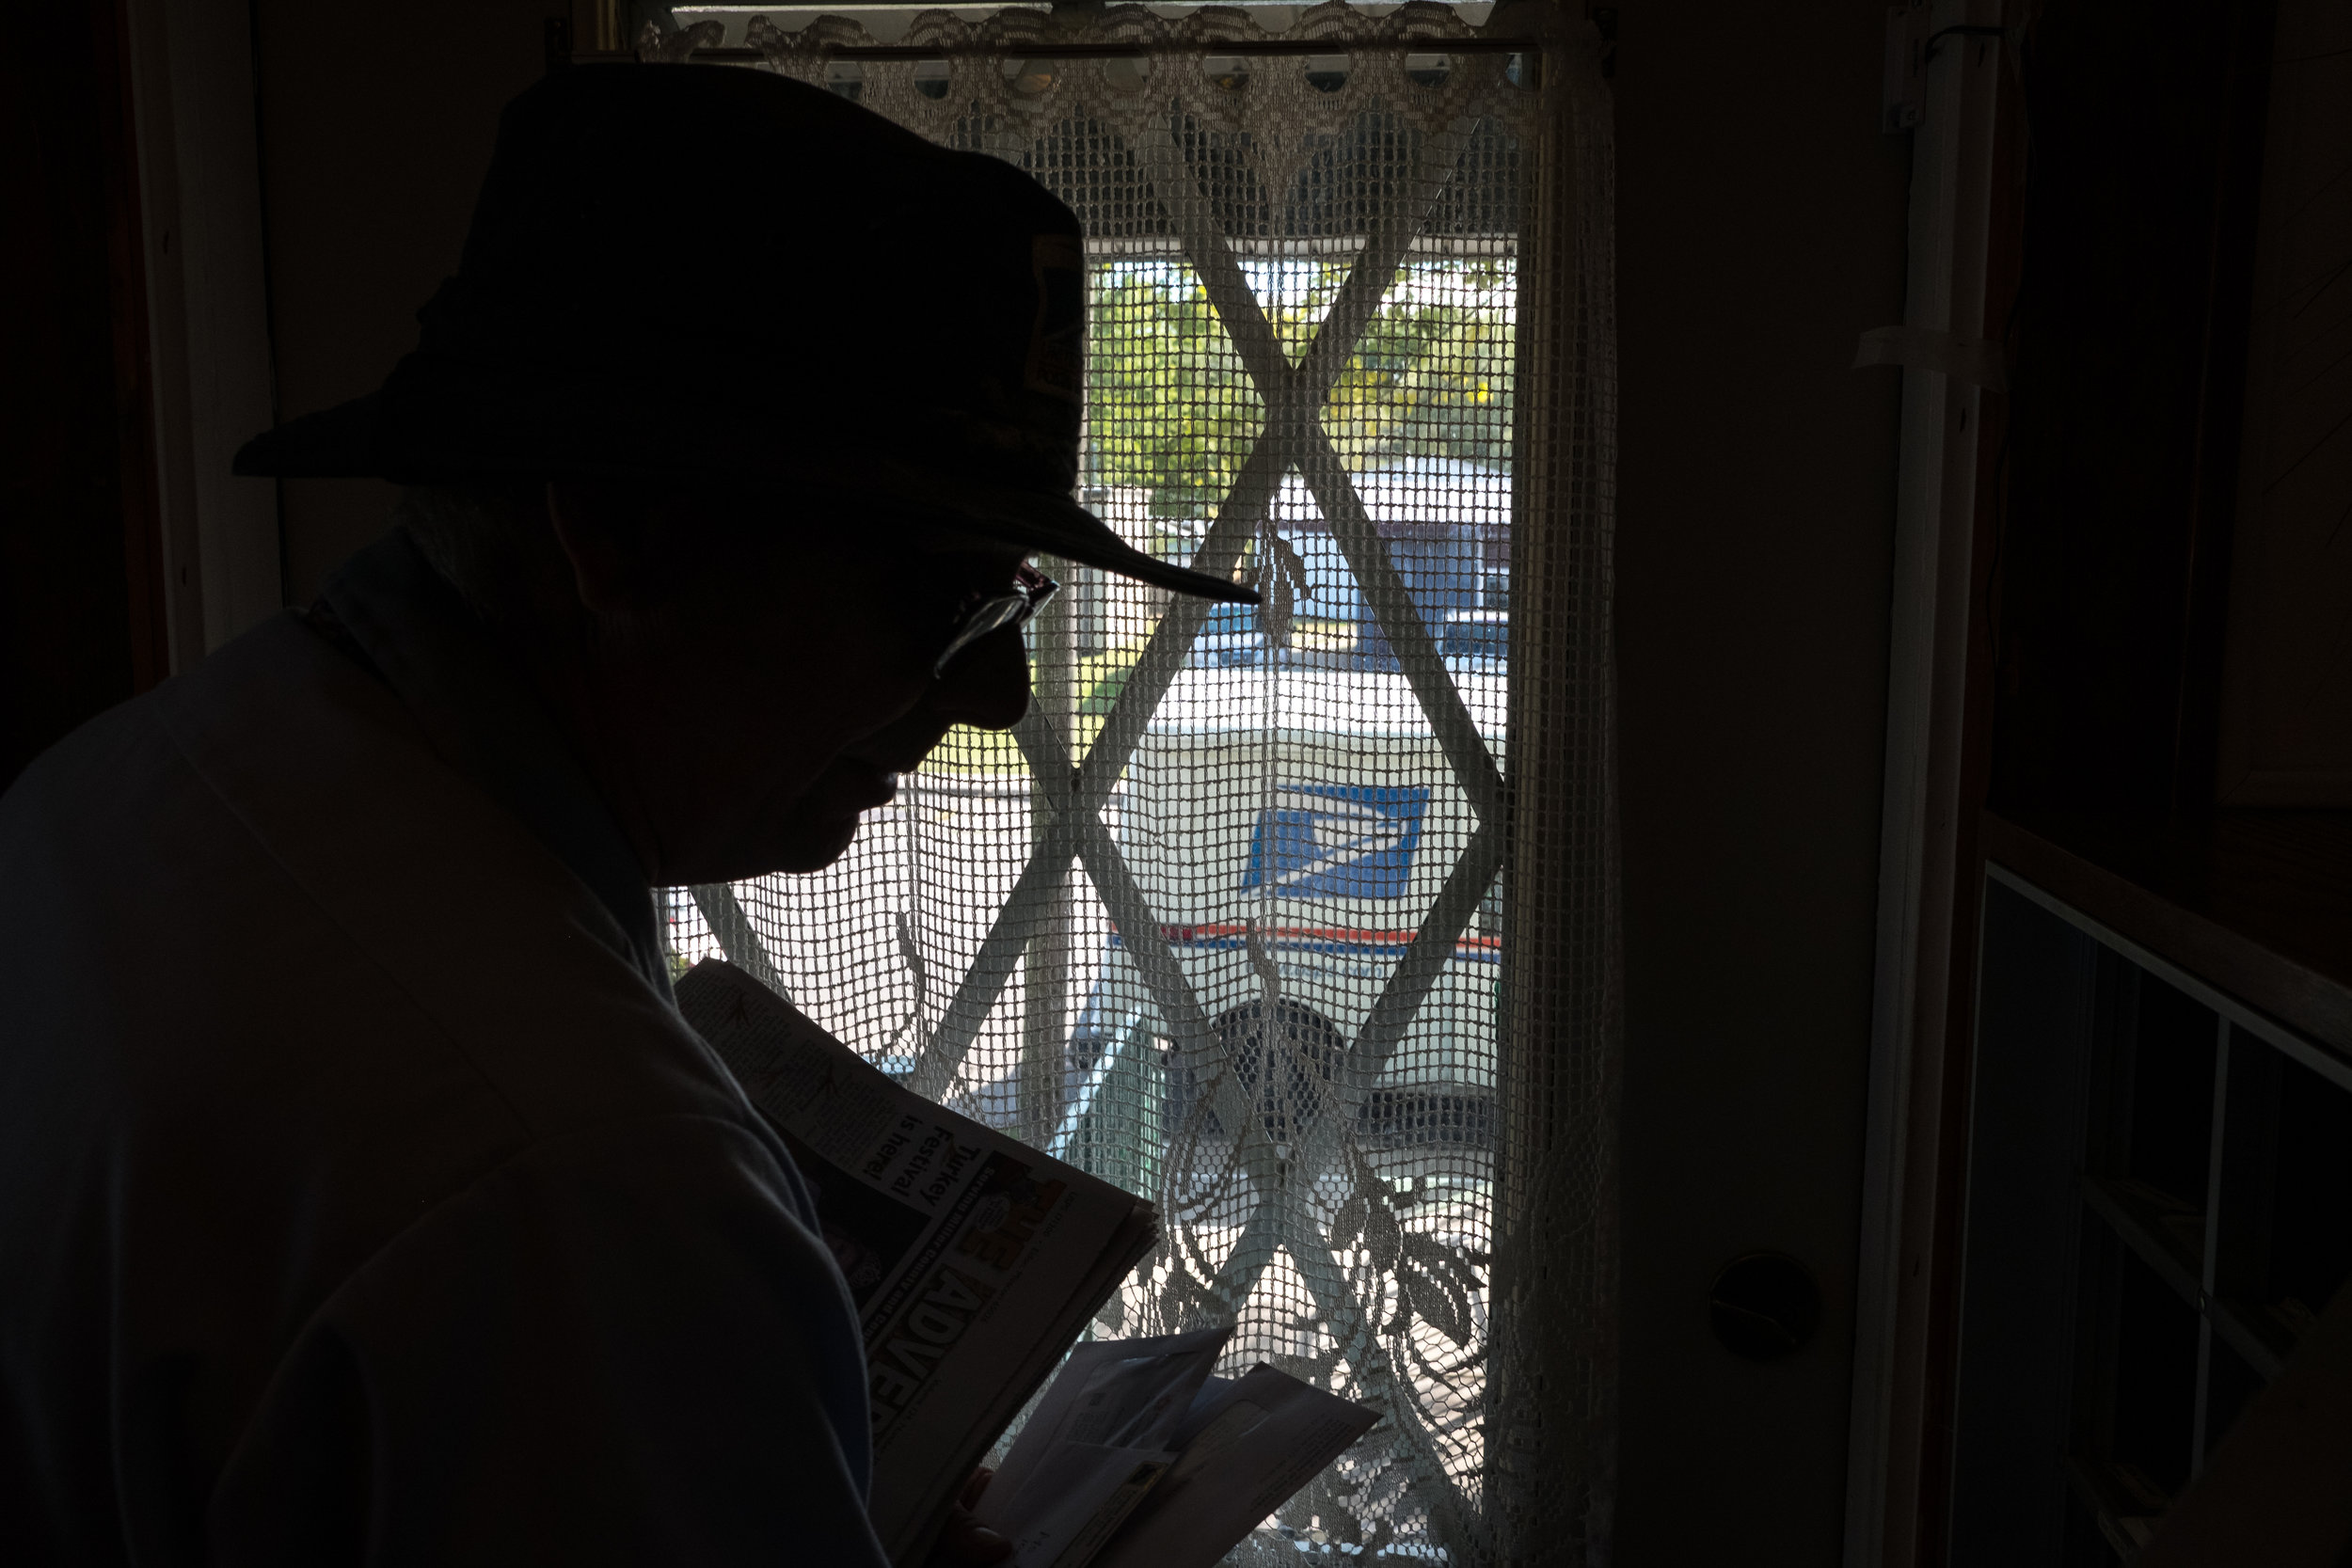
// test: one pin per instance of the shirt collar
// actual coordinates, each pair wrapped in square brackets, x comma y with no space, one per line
[484,720]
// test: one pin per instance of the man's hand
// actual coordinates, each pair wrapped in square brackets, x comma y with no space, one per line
[966,1543]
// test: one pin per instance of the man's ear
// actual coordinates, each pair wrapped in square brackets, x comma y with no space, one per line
[602,530]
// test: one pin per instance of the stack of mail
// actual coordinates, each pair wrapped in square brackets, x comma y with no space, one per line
[1138,1457]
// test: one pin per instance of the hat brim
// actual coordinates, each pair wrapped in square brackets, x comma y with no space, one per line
[350,442]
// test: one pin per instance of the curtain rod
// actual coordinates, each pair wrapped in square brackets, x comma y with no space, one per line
[1042,51]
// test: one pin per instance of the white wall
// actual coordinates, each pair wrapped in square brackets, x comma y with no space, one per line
[1760,230]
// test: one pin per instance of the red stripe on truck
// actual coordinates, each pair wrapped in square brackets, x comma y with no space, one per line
[1313,933]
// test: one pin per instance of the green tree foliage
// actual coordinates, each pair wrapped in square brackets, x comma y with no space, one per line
[1172,411]
[1169,408]
[1430,376]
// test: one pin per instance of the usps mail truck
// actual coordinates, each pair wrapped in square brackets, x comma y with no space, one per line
[1289,828]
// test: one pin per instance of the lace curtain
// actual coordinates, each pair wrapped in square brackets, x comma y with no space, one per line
[1302,921]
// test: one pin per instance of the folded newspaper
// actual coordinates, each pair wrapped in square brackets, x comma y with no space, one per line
[975,1262]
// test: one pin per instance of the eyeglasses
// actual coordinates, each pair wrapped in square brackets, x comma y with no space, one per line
[985,613]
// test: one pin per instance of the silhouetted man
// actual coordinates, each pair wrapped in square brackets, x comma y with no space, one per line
[362,1197]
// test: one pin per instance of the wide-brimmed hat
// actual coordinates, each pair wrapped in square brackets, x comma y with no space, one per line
[708,274]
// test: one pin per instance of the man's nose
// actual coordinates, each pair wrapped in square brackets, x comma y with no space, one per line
[987,686]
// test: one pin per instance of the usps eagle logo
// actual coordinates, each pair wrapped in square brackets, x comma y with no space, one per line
[1336,841]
